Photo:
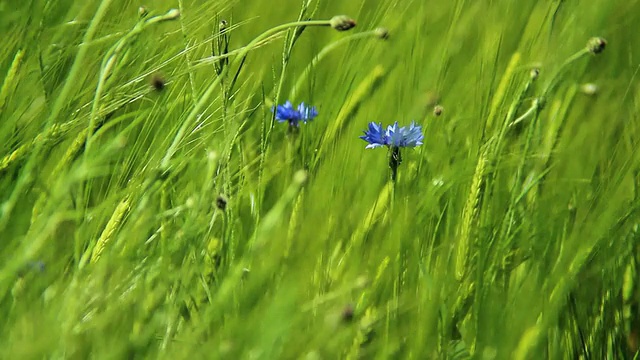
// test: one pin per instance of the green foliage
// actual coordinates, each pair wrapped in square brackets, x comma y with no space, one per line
[141,164]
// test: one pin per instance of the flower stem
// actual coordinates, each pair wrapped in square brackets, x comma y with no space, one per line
[555,79]
[395,159]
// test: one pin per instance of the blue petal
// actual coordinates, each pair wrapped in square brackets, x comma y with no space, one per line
[374,136]
[307,113]
[395,135]
[413,135]
[313,112]
[286,112]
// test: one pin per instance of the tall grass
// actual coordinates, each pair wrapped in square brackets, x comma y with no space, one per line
[151,206]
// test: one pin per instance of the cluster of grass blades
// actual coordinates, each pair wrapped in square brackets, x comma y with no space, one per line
[159,200]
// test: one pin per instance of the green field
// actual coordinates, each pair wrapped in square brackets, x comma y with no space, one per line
[152,206]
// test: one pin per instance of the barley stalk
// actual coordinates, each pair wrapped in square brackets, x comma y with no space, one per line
[110,229]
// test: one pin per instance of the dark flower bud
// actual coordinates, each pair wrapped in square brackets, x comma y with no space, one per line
[143,11]
[596,45]
[342,23]
[534,73]
[437,110]
[348,313]
[158,82]
[382,33]
[221,202]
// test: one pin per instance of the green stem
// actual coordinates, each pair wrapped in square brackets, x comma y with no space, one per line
[556,77]
[294,34]
[107,70]
[207,61]
[187,54]
[534,106]
[395,158]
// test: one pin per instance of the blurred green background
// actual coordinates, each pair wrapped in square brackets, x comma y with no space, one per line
[152,208]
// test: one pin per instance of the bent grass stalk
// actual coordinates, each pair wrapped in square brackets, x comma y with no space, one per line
[509,122]
[109,63]
[107,234]
[472,204]
[349,108]
[52,134]
[286,56]
[68,157]
[288,48]
[535,105]
[204,99]
[469,214]
[555,79]
[62,100]
[209,60]
[501,92]
[187,54]
[8,82]
[556,120]
[323,53]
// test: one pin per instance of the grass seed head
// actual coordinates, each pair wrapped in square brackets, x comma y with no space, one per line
[534,73]
[342,23]
[382,33]
[158,82]
[221,202]
[596,45]
[347,314]
[438,110]
[172,14]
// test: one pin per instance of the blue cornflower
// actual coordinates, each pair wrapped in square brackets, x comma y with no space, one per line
[394,137]
[31,266]
[287,113]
